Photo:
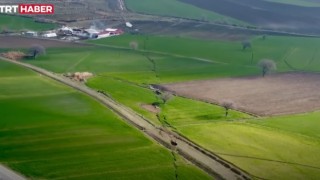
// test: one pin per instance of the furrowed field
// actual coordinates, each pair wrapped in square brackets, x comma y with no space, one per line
[298,2]
[175,8]
[49,131]
[282,147]
[15,23]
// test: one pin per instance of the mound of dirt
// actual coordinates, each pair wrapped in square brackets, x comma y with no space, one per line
[150,108]
[13,55]
[79,76]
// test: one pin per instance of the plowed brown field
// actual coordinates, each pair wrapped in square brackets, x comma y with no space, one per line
[273,95]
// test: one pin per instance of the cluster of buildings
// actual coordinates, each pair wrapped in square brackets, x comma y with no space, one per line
[74,33]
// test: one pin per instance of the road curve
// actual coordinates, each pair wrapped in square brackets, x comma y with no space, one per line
[204,159]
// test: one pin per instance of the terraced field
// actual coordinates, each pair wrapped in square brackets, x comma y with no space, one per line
[16,23]
[49,131]
[267,14]
[175,8]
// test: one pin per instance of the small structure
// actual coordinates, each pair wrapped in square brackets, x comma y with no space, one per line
[50,35]
[129,25]
[92,33]
[65,30]
[31,33]
[109,32]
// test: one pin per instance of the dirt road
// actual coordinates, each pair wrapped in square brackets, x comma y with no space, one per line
[7,174]
[211,163]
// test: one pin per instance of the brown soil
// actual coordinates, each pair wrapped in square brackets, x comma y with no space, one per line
[150,108]
[13,55]
[265,14]
[24,42]
[273,95]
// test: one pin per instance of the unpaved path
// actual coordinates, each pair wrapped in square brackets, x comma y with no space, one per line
[7,174]
[211,163]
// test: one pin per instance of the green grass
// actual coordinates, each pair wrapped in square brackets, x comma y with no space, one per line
[291,139]
[50,131]
[242,144]
[304,124]
[181,112]
[135,67]
[177,112]
[305,3]
[238,135]
[300,53]
[175,8]
[16,23]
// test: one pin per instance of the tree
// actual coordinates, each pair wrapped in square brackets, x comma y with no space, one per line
[134,45]
[267,65]
[227,105]
[37,50]
[246,44]
[264,37]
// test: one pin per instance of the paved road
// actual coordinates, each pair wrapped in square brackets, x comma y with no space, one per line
[210,162]
[7,174]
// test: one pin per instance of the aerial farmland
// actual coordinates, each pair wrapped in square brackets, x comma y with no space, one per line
[172,89]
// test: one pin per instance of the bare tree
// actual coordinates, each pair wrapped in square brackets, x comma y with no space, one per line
[246,44]
[227,105]
[166,96]
[267,65]
[37,50]
[134,45]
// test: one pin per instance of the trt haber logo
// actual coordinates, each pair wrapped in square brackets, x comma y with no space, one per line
[27,9]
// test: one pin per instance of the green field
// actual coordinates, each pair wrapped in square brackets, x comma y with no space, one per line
[298,2]
[288,52]
[135,67]
[240,138]
[49,131]
[175,8]
[16,23]
[271,148]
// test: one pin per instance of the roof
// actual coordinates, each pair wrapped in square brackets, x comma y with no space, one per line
[92,31]
[111,30]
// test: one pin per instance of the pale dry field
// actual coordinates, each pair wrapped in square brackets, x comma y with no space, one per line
[276,94]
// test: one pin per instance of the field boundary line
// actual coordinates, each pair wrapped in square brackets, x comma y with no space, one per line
[211,163]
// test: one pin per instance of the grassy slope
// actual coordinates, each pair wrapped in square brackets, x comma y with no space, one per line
[53,132]
[16,23]
[298,2]
[176,8]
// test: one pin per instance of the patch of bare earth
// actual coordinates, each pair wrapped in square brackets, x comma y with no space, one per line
[150,108]
[273,95]
[24,42]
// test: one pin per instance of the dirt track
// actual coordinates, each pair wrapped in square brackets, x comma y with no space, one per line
[273,95]
[211,163]
[7,174]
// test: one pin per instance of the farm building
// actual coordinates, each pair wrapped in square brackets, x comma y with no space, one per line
[50,35]
[92,33]
[65,30]
[109,32]
[31,33]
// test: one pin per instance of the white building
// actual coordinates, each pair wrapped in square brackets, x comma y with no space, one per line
[50,35]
